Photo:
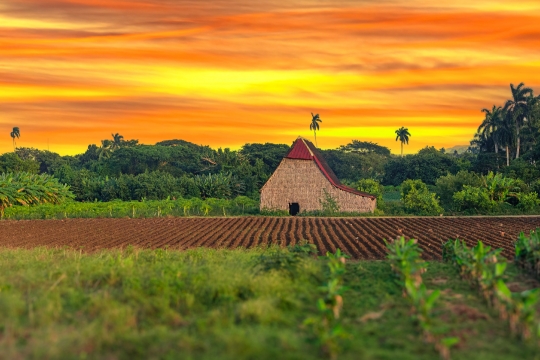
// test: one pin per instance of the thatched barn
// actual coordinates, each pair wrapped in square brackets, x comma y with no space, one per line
[303,181]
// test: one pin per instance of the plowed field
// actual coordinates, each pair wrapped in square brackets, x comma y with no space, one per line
[362,238]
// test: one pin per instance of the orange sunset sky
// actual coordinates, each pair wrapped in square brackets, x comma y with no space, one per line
[229,72]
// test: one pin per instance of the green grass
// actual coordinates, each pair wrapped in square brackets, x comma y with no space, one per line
[209,304]
[135,209]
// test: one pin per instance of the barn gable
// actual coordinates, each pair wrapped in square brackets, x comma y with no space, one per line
[304,178]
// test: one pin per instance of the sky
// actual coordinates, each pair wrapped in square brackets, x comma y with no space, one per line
[228,72]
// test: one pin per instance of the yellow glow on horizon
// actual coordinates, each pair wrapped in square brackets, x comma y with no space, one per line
[9,22]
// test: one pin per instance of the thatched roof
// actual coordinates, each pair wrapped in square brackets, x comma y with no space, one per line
[304,149]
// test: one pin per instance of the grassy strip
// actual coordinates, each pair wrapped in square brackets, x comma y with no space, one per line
[226,304]
[136,209]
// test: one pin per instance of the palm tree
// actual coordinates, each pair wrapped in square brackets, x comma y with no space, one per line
[105,150]
[117,141]
[516,109]
[16,133]
[505,135]
[403,136]
[531,116]
[315,120]
[491,123]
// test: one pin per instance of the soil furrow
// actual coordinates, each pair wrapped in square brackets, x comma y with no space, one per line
[360,237]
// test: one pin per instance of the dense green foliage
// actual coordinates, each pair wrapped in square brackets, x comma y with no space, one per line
[372,187]
[448,185]
[11,162]
[417,199]
[486,193]
[30,189]
[428,165]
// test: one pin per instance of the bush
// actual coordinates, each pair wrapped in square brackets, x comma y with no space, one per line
[535,186]
[418,200]
[472,198]
[372,187]
[447,186]
[422,203]
[408,185]
[329,205]
[528,202]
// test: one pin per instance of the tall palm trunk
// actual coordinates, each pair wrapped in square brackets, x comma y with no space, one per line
[507,156]
[518,142]
[402,149]
[315,134]
[496,147]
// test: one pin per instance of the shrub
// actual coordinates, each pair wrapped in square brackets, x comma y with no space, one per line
[329,205]
[408,185]
[418,200]
[447,186]
[372,187]
[535,186]
[472,198]
[528,202]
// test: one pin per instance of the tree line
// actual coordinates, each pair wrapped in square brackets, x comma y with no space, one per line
[506,142]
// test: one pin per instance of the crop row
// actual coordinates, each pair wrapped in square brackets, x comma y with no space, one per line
[361,238]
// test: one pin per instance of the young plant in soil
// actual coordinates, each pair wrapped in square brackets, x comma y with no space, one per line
[409,267]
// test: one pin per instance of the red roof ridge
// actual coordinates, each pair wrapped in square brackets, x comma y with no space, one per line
[303,149]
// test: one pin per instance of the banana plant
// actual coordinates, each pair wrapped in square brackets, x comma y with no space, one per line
[520,309]
[422,301]
[486,268]
[31,189]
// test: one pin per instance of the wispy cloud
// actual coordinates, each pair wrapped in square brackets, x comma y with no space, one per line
[230,72]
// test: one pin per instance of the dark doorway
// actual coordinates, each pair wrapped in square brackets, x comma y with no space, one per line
[294,209]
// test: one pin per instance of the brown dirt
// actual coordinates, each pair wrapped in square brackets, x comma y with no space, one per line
[362,238]
[467,313]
